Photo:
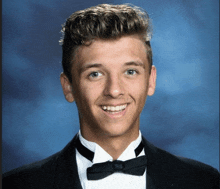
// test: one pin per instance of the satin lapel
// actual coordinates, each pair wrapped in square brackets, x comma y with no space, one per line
[150,183]
[66,171]
[150,153]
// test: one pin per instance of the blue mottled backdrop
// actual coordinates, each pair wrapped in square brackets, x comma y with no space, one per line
[183,115]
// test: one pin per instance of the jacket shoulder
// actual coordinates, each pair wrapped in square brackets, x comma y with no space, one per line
[179,171]
[48,173]
[40,173]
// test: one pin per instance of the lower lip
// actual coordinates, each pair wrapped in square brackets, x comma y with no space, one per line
[116,115]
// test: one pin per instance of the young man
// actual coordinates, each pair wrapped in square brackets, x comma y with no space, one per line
[108,72]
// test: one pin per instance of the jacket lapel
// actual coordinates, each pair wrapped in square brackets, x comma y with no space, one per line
[160,173]
[150,168]
[155,165]
[66,168]
[150,183]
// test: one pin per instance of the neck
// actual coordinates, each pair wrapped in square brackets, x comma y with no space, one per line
[113,145]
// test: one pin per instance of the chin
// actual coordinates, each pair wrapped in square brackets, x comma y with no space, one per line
[117,131]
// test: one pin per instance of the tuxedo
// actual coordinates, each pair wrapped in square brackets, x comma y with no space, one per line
[164,171]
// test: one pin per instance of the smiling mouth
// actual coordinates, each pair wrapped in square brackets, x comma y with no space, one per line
[114,109]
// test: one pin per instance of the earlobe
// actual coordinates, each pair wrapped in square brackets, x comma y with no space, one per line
[69,97]
[67,88]
[152,81]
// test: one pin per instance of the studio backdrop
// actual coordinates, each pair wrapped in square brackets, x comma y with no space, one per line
[182,116]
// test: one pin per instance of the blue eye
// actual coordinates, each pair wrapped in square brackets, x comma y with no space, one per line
[131,72]
[95,74]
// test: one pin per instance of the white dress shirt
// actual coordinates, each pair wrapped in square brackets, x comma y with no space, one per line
[116,180]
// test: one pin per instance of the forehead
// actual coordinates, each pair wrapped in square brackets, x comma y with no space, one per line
[121,50]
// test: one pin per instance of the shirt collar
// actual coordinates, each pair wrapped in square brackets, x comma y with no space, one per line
[100,155]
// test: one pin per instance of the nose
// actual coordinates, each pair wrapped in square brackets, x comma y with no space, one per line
[114,87]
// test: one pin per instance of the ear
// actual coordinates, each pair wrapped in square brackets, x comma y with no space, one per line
[152,81]
[67,87]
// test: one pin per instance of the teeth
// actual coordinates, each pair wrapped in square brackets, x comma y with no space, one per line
[114,108]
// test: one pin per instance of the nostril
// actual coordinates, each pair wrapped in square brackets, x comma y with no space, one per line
[114,89]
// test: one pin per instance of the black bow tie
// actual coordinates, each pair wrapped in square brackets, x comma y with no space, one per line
[134,166]
[98,171]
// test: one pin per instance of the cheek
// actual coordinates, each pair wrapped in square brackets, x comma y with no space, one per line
[90,92]
[139,89]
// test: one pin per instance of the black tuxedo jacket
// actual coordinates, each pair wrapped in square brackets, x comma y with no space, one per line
[164,171]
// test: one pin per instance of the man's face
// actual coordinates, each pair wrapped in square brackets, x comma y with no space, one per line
[110,84]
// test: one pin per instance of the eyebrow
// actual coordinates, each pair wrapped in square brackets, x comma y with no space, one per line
[87,66]
[135,63]
[97,65]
